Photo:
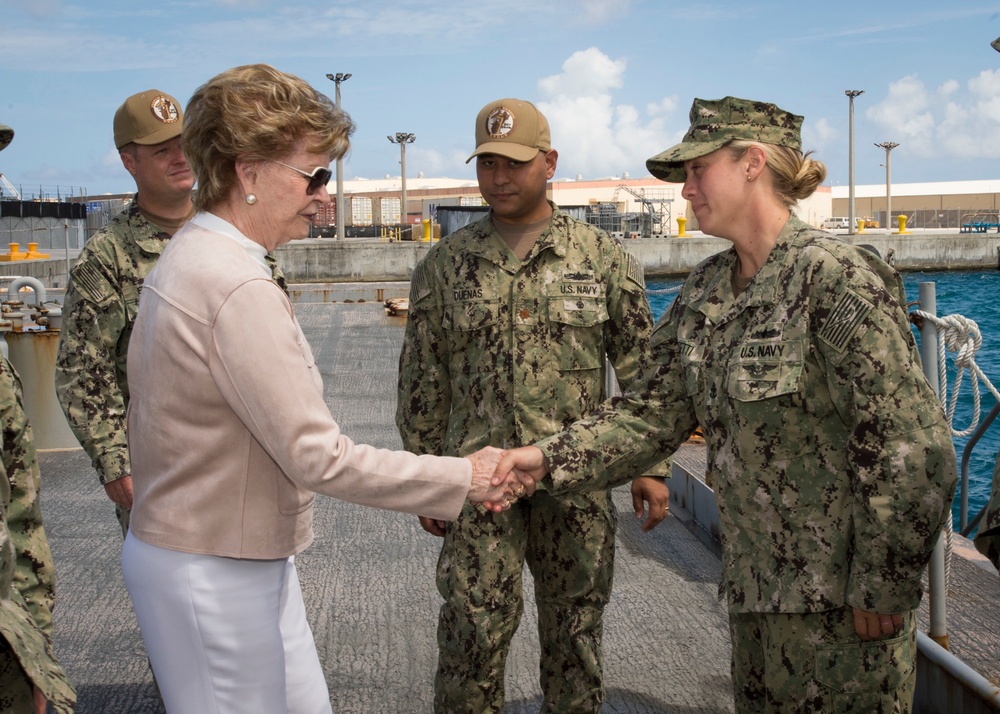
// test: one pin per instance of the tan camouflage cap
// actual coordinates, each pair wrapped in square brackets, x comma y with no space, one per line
[513,128]
[149,117]
[716,122]
[6,136]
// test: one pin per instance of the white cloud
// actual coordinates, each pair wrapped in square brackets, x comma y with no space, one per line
[598,11]
[949,87]
[905,115]
[38,8]
[818,136]
[111,160]
[432,162]
[949,121]
[594,135]
[665,107]
[588,72]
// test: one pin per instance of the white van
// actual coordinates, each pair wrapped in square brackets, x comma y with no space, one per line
[831,224]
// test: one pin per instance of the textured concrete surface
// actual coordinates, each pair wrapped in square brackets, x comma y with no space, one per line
[973,610]
[368,580]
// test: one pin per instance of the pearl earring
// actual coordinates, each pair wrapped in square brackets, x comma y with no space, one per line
[252,198]
[748,179]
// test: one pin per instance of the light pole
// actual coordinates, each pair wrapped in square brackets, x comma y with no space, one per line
[851,94]
[337,79]
[888,146]
[402,139]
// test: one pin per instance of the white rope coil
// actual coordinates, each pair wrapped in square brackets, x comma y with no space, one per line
[960,335]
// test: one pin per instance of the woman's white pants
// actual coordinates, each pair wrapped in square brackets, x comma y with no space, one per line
[224,636]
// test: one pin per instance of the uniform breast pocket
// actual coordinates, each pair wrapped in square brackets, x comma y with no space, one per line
[765,370]
[470,326]
[577,326]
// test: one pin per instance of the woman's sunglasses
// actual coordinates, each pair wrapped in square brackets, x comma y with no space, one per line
[319,177]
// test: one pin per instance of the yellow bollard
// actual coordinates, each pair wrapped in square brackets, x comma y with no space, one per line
[861,225]
[902,224]
[427,230]
[33,253]
[14,253]
[680,227]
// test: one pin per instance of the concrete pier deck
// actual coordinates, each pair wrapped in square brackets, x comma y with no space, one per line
[368,580]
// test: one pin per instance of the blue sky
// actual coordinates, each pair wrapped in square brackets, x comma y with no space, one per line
[616,78]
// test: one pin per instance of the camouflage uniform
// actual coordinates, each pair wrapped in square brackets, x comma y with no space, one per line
[833,462]
[988,535]
[503,352]
[101,304]
[27,575]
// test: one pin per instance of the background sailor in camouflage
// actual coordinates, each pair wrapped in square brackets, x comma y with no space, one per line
[102,298]
[30,676]
[831,457]
[509,323]
[29,671]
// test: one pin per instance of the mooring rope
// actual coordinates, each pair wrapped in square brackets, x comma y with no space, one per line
[958,334]
[664,291]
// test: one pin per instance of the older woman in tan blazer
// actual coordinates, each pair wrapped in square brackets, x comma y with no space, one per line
[228,431]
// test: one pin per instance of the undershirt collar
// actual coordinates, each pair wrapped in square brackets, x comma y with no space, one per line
[211,222]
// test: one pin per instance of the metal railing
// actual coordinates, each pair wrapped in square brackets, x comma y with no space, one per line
[965,526]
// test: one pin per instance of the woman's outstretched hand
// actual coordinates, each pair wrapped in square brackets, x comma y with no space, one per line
[496,494]
[520,469]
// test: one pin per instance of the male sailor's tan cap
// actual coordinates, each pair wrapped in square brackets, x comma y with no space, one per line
[149,117]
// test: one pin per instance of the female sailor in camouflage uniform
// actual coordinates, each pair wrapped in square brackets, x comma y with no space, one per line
[832,460]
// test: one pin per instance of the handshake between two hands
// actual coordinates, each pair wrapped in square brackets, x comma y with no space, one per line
[501,477]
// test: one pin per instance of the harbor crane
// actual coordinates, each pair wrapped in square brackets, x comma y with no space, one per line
[655,208]
[7,187]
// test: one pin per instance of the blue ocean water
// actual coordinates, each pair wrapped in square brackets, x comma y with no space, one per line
[975,295]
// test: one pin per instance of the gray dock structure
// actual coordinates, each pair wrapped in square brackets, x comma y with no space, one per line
[368,579]
[327,260]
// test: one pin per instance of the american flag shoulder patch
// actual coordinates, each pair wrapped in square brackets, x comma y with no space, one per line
[91,283]
[418,284]
[844,320]
[635,273]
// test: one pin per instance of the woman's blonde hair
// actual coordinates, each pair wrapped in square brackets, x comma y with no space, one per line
[255,113]
[796,176]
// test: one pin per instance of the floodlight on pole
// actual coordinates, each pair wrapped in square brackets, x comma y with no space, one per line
[337,79]
[402,138]
[851,94]
[888,146]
